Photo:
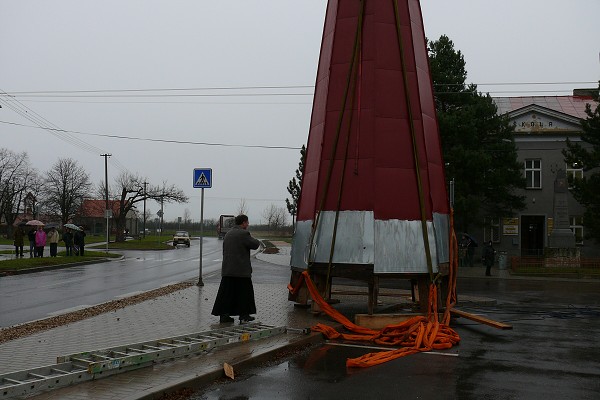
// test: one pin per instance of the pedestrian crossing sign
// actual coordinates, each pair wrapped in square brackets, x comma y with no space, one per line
[202,178]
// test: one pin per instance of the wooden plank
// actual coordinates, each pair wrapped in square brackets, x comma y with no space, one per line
[480,319]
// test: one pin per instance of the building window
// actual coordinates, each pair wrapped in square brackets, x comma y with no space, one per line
[577,228]
[574,171]
[533,173]
[491,230]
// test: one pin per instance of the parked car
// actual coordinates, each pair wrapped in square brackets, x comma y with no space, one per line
[181,237]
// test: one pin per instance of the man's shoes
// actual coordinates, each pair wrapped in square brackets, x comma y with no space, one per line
[225,318]
[246,318]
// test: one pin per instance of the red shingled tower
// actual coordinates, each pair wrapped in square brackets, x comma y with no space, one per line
[373,183]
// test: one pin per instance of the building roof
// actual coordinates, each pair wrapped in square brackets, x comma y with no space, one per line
[569,105]
[95,208]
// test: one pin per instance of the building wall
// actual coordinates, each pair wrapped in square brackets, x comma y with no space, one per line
[540,134]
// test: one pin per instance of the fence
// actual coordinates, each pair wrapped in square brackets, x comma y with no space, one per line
[556,267]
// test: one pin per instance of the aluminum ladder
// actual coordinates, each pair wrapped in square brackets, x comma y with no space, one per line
[97,364]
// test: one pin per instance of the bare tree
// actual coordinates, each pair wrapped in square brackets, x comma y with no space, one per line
[187,216]
[242,207]
[129,190]
[16,178]
[66,185]
[275,216]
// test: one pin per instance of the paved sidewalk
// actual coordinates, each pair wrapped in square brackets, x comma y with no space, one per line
[179,313]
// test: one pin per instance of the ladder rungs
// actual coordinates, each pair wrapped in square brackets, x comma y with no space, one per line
[85,366]
[147,346]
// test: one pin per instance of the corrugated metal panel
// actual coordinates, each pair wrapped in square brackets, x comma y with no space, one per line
[392,246]
[399,247]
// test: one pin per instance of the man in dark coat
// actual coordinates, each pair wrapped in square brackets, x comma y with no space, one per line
[79,241]
[236,294]
[488,257]
[68,239]
[19,242]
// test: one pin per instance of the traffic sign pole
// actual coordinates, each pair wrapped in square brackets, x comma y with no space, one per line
[202,180]
[200,282]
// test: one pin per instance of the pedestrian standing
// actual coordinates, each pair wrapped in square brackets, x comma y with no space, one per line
[40,241]
[18,241]
[79,239]
[53,240]
[489,254]
[31,237]
[236,293]
[68,239]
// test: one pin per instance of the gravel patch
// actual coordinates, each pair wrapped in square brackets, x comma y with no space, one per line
[30,328]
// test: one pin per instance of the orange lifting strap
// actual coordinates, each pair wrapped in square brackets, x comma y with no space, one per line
[415,335]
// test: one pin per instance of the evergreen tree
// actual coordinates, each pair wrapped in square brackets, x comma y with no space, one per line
[295,185]
[477,143]
[585,190]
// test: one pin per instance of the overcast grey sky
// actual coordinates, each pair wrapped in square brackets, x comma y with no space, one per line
[245,46]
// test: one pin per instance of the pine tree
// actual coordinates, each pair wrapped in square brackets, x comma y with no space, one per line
[477,143]
[585,190]
[295,185]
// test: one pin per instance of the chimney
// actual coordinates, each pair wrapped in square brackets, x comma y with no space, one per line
[585,92]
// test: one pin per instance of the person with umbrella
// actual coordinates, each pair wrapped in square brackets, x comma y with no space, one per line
[31,237]
[467,244]
[79,241]
[40,241]
[18,237]
[67,237]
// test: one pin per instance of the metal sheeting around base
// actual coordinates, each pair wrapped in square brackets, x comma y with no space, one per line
[392,246]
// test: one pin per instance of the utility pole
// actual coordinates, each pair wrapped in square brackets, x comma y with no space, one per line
[162,213]
[107,212]
[144,224]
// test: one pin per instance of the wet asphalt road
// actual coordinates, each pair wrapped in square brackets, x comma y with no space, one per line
[551,353]
[29,297]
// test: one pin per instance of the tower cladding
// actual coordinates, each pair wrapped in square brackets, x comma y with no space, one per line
[373,192]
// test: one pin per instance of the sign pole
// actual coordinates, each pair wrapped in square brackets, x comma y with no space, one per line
[200,282]
[202,180]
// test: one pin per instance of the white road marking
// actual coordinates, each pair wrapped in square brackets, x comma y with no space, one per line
[437,353]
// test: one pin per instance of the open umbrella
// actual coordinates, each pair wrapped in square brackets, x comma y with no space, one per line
[475,244]
[51,225]
[72,226]
[35,222]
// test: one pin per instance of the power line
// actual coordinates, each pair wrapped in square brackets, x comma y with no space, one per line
[163,95]
[161,140]
[171,89]
[272,87]
[516,83]
[165,102]
[470,92]
[42,123]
